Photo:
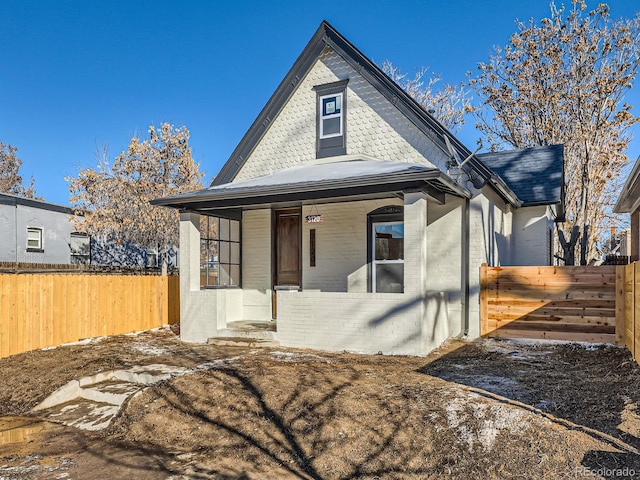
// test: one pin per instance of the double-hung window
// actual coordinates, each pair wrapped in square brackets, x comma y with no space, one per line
[331,119]
[34,239]
[385,249]
[331,116]
[388,257]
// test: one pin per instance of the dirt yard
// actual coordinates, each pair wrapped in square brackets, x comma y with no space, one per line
[486,409]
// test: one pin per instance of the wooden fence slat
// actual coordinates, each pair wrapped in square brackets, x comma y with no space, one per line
[552,302]
[48,309]
[619,305]
[484,316]
[628,307]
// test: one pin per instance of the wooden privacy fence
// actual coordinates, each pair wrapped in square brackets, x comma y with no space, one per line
[41,310]
[558,303]
[630,306]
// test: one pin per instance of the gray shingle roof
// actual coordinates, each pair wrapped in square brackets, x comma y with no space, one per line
[534,174]
[320,181]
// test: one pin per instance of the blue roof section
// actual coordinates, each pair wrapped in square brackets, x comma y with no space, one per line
[535,175]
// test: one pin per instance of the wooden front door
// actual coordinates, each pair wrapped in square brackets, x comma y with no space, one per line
[287,254]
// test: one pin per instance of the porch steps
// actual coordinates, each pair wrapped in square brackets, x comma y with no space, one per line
[247,334]
[242,342]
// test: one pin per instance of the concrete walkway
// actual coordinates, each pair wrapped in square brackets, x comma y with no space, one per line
[91,403]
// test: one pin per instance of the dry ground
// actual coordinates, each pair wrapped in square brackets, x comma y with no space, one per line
[486,409]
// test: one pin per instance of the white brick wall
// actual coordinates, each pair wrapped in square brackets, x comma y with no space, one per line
[444,265]
[341,246]
[256,264]
[530,238]
[374,126]
[490,239]
[412,323]
[358,322]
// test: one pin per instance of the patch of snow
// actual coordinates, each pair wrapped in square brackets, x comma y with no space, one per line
[84,341]
[140,332]
[148,349]
[295,357]
[492,383]
[221,362]
[479,422]
[542,344]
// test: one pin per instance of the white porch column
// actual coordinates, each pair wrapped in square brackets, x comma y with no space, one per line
[198,308]
[189,254]
[415,244]
[430,305]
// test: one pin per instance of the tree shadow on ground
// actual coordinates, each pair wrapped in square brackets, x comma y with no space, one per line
[595,390]
[275,420]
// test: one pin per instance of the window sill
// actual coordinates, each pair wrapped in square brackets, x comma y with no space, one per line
[219,287]
[35,250]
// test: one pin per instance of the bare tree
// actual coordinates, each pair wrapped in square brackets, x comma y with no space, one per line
[563,81]
[115,198]
[448,104]
[10,179]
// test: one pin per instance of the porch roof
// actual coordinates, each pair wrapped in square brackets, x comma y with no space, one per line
[329,181]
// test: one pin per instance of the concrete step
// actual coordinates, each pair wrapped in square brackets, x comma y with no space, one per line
[233,333]
[113,392]
[243,342]
[247,329]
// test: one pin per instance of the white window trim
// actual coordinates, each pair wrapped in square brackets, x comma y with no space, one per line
[40,238]
[373,253]
[334,115]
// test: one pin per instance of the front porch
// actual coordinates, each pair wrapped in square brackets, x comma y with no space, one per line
[362,322]
[381,272]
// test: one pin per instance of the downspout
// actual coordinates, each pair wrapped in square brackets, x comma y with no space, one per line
[466,266]
[15,218]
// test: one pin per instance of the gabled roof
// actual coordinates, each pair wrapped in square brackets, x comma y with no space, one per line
[14,200]
[326,35]
[535,175]
[330,180]
[630,195]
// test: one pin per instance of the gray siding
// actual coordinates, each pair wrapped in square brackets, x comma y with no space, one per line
[56,234]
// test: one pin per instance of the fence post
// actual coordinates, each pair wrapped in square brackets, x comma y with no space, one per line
[620,307]
[484,301]
[634,313]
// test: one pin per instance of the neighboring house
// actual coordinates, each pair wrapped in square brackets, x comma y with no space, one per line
[34,231]
[354,218]
[629,202]
[40,232]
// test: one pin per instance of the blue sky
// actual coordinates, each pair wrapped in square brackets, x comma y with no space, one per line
[77,74]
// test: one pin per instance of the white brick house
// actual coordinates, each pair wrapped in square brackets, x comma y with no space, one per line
[339,215]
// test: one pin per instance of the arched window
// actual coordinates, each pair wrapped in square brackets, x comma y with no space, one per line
[385,247]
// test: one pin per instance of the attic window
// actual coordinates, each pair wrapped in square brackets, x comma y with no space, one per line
[331,119]
[331,116]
